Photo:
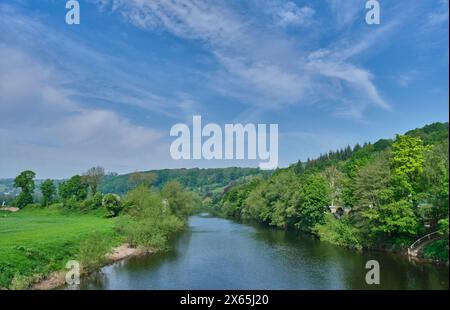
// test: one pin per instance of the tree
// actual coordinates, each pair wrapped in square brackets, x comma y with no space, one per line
[180,202]
[74,188]
[26,183]
[435,182]
[48,190]
[93,178]
[372,185]
[407,164]
[392,219]
[112,203]
[141,178]
[257,204]
[314,201]
[334,178]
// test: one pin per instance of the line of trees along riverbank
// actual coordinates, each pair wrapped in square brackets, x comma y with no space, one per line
[387,194]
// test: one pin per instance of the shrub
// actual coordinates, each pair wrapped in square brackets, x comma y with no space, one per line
[147,221]
[93,203]
[339,232]
[71,204]
[112,203]
[92,251]
[437,250]
[21,282]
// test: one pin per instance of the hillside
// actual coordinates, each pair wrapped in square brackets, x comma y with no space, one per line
[200,180]
[386,194]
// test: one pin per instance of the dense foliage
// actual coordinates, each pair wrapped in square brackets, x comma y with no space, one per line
[83,223]
[151,217]
[387,194]
[25,182]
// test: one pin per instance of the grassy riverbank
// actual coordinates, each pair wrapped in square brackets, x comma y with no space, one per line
[36,242]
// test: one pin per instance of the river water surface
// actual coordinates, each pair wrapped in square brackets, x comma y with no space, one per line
[216,253]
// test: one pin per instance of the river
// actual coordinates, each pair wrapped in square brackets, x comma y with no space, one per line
[217,253]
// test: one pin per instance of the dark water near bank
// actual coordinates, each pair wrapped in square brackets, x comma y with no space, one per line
[220,254]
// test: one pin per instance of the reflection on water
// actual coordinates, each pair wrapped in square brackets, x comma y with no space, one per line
[217,253]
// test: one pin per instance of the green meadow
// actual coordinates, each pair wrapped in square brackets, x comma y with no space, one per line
[34,243]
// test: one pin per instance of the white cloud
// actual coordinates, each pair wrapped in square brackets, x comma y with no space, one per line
[187,18]
[360,80]
[289,14]
[260,67]
[42,127]
[111,81]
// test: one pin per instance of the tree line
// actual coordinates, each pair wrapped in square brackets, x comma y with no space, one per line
[387,194]
[82,193]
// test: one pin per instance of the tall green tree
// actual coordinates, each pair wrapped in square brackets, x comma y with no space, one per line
[179,201]
[74,188]
[408,155]
[314,202]
[48,190]
[434,184]
[392,219]
[372,184]
[25,181]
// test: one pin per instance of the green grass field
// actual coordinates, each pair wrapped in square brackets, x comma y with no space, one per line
[37,242]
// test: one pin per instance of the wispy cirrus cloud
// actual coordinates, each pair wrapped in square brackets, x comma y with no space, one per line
[112,81]
[258,65]
[107,91]
[45,128]
[48,124]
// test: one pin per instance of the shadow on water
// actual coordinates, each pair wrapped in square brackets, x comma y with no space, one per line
[217,253]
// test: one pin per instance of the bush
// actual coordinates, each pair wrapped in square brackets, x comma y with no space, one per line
[92,251]
[21,282]
[112,204]
[437,250]
[23,200]
[93,203]
[71,204]
[148,221]
[339,232]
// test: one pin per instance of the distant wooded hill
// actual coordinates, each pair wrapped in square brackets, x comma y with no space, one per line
[200,180]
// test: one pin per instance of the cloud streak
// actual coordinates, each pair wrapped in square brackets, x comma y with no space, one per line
[43,127]
[258,65]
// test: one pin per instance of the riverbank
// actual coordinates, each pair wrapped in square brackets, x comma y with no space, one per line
[57,279]
[217,253]
[386,248]
[35,243]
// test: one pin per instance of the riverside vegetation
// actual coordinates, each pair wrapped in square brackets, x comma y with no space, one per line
[78,222]
[396,191]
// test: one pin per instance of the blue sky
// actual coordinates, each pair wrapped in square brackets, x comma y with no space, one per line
[106,92]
